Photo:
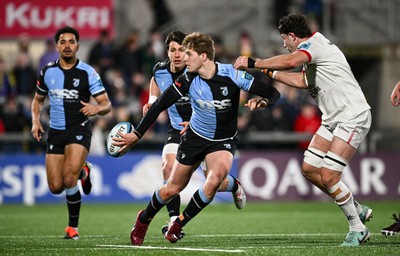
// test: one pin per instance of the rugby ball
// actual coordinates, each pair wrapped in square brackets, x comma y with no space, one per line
[122,127]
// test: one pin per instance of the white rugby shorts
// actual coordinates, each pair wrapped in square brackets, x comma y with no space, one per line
[352,131]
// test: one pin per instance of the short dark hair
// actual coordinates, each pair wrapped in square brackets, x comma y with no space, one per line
[175,36]
[66,29]
[295,23]
[200,43]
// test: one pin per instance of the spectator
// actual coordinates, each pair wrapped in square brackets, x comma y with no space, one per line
[313,9]
[25,75]
[220,53]
[102,53]
[309,121]
[130,59]
[157,47]
[13,116]
[102,58]
[161,13]
[50,53]
[7,82]
[246,47]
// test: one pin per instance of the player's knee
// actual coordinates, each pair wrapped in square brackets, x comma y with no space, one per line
[313,157]
[334,162]
[169,192]
[56,188]
[69,182]
[214,181]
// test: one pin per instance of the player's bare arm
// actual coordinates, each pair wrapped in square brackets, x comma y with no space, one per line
[103,106]
[36,108]
[185,127]
[292,79]
[280,62]
[256,103]
[125,141]
[154,93]
[395,97]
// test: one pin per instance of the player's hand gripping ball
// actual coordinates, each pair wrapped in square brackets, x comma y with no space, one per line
[122,127]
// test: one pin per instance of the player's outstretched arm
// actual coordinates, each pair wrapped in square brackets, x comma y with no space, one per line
[279,62]
[125,141]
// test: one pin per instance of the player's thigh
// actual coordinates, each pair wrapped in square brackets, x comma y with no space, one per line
[167,164]
[54,163]
[180,176]
[218,164]
[321,140]
[342,148]
[75,156]
[316,151]
[168,158]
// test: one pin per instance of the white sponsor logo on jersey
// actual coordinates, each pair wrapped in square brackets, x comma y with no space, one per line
[215,104]
[64,93]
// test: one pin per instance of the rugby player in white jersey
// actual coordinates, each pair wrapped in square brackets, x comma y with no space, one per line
[346,116]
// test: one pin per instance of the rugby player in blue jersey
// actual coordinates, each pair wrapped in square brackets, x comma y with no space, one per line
[165,73]
[214,90]
[69,83]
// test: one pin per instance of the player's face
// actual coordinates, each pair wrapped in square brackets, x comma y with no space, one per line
[289,42]
[176,54]
[193,60]
[67,46]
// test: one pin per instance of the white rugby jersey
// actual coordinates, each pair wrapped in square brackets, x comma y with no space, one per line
[330,80]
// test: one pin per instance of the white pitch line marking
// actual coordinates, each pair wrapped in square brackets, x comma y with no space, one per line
[168,248]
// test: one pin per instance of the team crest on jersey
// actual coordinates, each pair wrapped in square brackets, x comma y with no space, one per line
[304,46]
[228,146]
[224,90]
[79,137]
[76,82]
[314,91]
[247,76]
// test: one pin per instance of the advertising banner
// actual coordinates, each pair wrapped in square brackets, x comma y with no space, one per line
[265,176]
[277,176]
[131,178]
[41,18]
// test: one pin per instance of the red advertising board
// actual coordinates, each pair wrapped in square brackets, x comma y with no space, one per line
[41,18]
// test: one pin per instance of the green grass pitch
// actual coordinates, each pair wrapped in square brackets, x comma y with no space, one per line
[285,228]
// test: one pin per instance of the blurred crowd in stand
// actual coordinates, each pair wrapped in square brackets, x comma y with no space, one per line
[126,69]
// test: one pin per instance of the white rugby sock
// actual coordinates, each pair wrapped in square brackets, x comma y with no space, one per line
[340,191]
[349,210]
[358,207]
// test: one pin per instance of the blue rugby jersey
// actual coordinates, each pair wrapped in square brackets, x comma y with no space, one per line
[215,101]
[65,89]
[181,110]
